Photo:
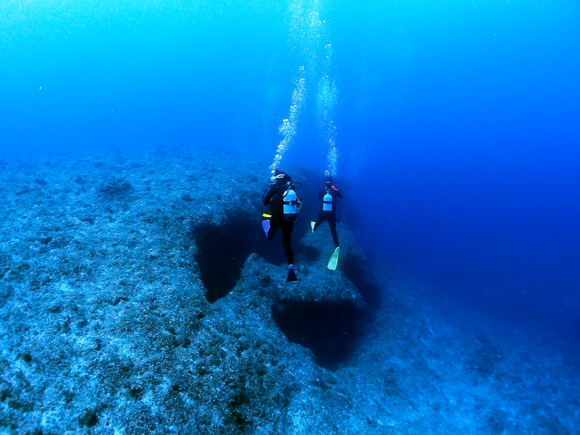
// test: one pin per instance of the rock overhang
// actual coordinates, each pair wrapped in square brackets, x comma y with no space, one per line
[323,311]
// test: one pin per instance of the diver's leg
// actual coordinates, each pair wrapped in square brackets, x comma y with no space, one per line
[272,230]
[318,221]
[332,223]
[286,236]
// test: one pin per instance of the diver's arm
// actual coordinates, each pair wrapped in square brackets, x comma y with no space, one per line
[268,197]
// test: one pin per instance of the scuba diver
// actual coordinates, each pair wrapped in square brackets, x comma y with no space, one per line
[329,197]
[284,209]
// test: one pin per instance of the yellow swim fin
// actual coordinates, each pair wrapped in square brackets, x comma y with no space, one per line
[333,263]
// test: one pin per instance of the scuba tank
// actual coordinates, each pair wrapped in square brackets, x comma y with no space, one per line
[327,201]
[290,205]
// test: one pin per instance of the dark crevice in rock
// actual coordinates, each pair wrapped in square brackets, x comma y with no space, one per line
[310,254]
[358,272]
[223,249]
[330,331]
[89,418]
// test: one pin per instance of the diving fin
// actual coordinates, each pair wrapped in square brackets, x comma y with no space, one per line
[266,226]
[291,274]
[333,262]
[312,225]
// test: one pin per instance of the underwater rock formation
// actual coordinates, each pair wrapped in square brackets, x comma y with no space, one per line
[138,294]
[106,324]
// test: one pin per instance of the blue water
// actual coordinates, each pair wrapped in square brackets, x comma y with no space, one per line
[458,122]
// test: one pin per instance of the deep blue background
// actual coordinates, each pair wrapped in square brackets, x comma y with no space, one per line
[458,122]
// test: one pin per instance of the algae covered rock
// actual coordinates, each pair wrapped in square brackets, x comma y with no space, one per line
[107,325]
[352,263]
[162,309]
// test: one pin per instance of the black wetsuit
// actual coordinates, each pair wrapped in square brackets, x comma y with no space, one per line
[275,198]
[330,216]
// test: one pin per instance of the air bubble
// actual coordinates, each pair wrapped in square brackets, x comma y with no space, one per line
[308,37]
